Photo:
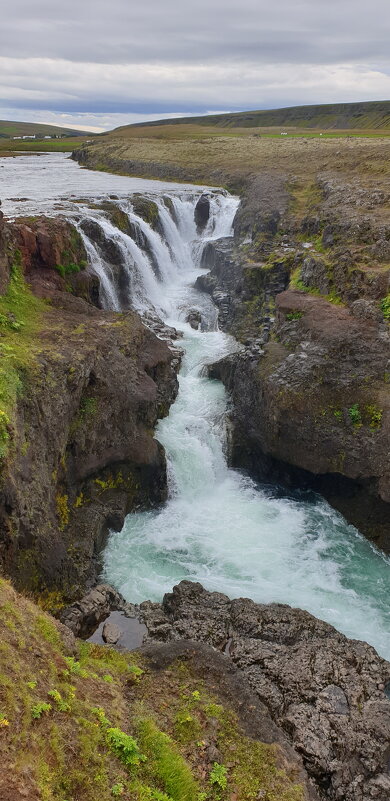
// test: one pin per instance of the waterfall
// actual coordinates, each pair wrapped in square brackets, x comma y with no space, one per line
[154,264]
[218,526]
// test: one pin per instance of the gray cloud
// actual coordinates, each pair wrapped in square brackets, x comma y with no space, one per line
[126,58]
[308,31]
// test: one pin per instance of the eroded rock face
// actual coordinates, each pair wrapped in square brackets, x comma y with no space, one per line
[81,450]
[53,257]
[326,692]
[313,408]
[310,388]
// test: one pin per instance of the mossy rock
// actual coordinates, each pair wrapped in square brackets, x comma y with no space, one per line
[145,208]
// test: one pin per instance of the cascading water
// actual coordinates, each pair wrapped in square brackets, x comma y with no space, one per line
[218,526]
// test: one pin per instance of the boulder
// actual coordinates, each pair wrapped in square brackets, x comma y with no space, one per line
[111,633]
[325,691]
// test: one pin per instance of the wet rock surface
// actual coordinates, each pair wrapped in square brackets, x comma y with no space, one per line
[202,212]
[194,318]
[327,693]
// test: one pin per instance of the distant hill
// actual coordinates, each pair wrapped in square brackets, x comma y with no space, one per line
[9,129]
[373,115]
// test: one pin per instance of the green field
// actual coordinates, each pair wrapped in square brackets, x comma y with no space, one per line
[10,147]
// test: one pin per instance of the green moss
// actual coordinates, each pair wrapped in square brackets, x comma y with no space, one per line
[374,414]
[254,766]
[294,315]
[46,629]
[145,208]
[68,269]
[62,508]
[385,307]
[297,283]
[187,727]
[21,316]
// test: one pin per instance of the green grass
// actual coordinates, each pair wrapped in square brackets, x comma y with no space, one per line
[166,766]
[21,316]
[11,146]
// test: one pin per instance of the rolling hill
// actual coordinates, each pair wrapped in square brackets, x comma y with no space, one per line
[374,115]
[9,129]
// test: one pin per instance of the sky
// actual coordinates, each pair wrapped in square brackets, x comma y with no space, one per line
[100,64]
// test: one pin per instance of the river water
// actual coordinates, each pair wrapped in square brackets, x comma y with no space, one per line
[218,526]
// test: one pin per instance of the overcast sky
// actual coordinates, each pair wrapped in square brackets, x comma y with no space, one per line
[108,62]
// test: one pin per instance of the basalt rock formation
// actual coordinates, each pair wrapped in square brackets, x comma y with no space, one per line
[305,288]
[81,390]
[326,692]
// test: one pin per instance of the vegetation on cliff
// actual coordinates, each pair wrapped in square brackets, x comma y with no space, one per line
[21,315]
[80,722]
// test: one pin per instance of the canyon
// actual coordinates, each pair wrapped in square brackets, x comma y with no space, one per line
[283,298]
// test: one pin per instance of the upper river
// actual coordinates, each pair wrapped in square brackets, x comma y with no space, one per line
[218,526]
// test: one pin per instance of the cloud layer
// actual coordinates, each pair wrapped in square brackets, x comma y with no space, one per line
[103,64]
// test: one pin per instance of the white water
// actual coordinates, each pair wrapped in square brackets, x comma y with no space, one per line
[218,526]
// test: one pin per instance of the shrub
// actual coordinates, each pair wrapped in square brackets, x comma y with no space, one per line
[294,315]
[355,414]
[385,307]
[218,776]
[124,747]
[39,709]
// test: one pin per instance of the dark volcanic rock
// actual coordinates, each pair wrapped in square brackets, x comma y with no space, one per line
[326,692]
[81,450]
[202,212]
[314,408]
[84,616]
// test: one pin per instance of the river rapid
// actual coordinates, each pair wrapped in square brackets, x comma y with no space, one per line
[218,526]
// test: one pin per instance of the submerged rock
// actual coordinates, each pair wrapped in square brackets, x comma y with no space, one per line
[194,318]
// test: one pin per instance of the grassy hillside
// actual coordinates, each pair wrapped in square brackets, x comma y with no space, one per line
[82,722]
[334,116]
[8,129]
